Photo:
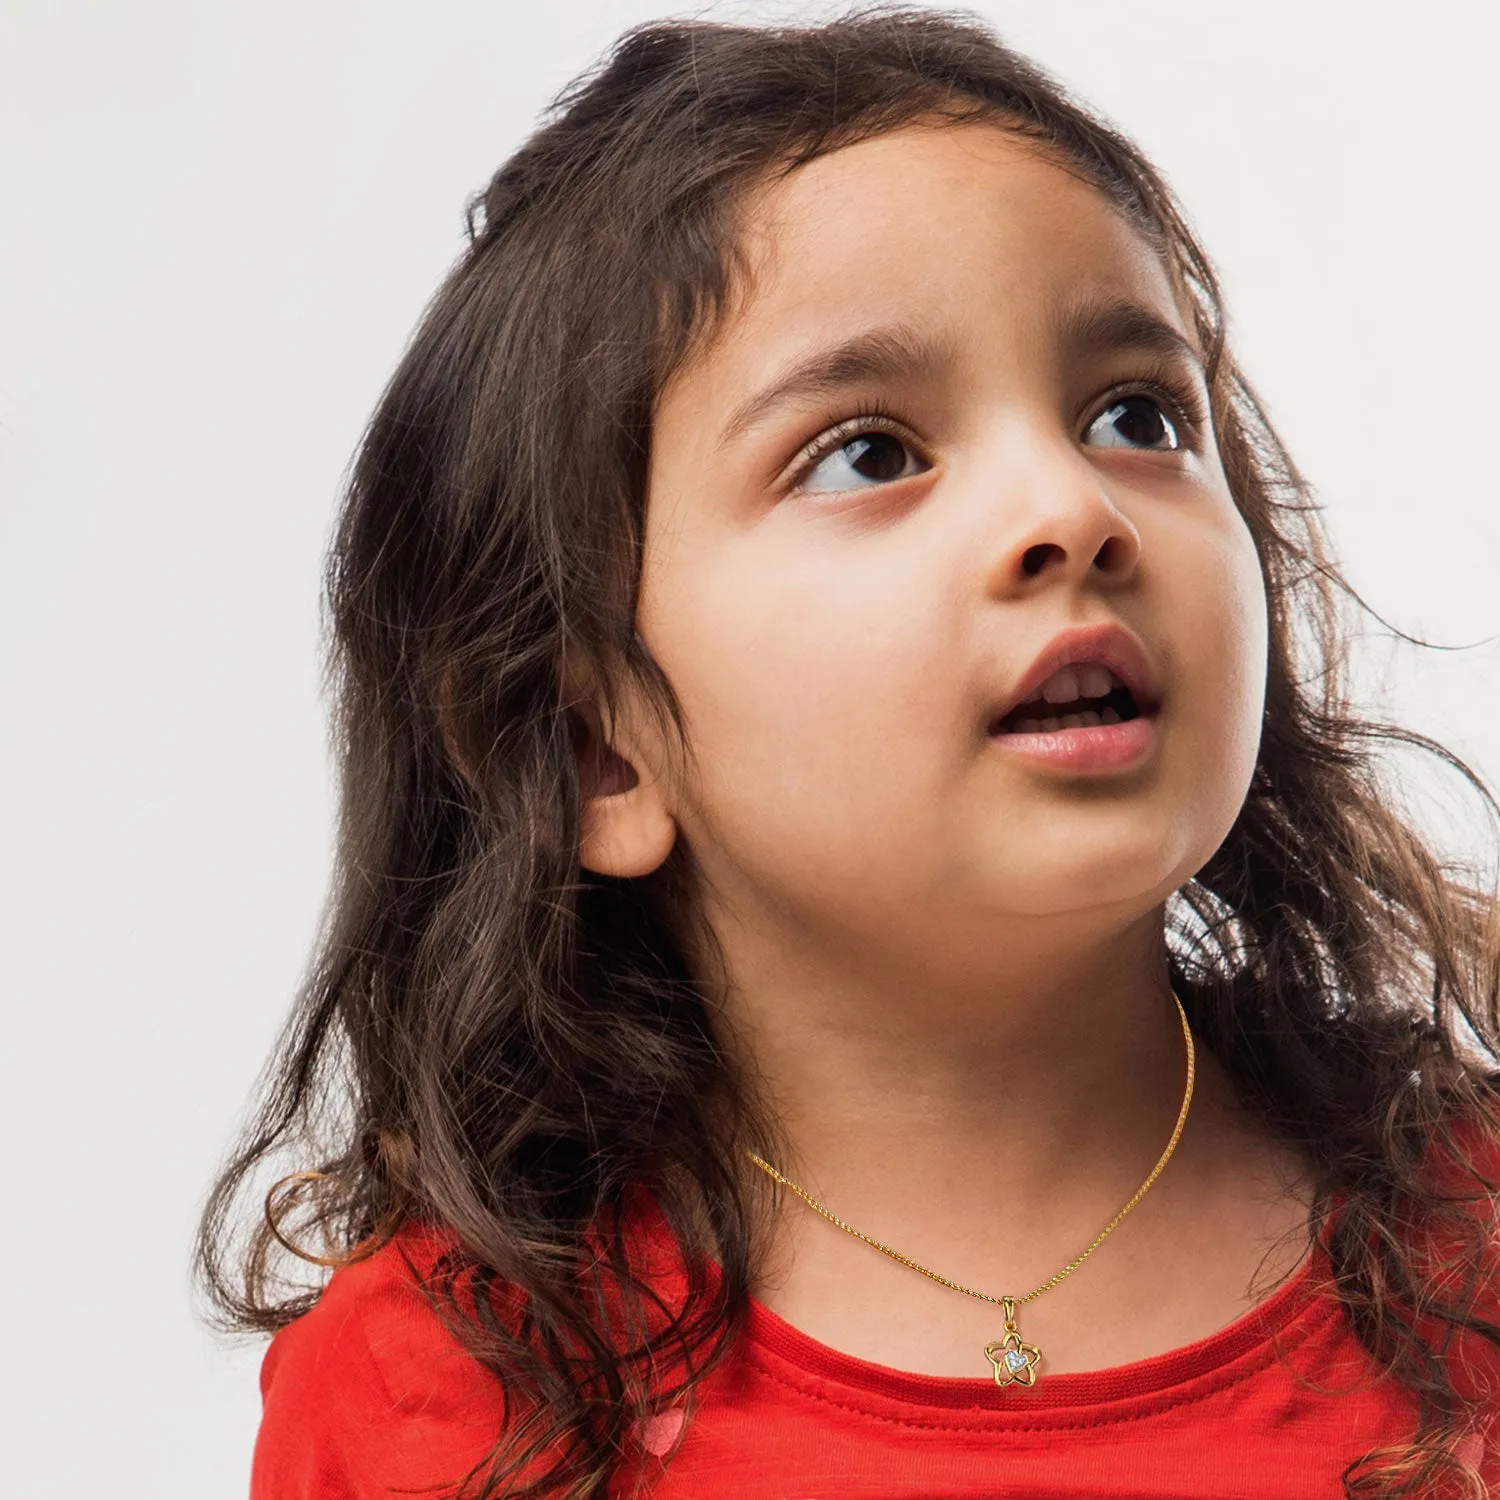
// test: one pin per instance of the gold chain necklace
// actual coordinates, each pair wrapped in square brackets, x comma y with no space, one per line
[1015,1361]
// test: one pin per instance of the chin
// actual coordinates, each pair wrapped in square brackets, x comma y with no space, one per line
[1125,878]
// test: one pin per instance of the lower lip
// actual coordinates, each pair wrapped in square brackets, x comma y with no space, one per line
[1096,747]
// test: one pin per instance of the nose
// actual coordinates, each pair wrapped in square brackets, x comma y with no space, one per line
[1062,524]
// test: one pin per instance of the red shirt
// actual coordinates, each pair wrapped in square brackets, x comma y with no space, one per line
[368,1395]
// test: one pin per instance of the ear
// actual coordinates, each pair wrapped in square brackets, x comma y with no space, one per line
[627,827]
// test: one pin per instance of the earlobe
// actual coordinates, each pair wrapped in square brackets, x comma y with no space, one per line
[628,833]
[626,827]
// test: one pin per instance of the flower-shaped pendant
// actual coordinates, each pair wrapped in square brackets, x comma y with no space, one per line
[1015,1360]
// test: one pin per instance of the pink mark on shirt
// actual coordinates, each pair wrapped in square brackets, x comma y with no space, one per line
[1470,1449]
[658,1433]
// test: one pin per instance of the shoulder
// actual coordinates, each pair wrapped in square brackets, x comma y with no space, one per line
[1458,1256]
[1461,1168]
[369,1390]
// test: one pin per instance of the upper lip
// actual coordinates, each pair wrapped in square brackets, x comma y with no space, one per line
[1109,644]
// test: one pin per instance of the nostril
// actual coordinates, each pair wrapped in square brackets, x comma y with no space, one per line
[1034,559]
[1105,557]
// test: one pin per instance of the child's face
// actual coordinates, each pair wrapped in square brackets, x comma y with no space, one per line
[841,643]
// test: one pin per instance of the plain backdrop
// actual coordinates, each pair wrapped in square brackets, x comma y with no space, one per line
[218,224]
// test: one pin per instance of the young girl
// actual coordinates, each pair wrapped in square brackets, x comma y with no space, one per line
[869,956]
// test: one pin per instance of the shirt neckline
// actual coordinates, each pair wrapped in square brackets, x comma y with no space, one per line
[1291,1312]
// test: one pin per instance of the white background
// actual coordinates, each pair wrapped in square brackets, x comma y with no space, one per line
[218,223]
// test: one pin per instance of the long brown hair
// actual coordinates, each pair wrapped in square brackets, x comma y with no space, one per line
[495,1040]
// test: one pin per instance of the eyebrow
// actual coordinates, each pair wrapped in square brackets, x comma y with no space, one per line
[880,354]
[901,351]
[1092,328]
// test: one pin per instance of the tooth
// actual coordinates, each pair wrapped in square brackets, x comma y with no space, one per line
[1072,721]
[1108,716]
[1094,681]
[1061,687]
[1028,726]
[1088,719]
[1048,726]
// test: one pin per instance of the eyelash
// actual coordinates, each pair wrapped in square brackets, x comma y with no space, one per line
[868,416]
[1163,382]
[1180,396]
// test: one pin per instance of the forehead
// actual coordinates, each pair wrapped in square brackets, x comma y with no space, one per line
[947,227]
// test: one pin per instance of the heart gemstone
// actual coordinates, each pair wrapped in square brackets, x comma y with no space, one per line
[1015,1360]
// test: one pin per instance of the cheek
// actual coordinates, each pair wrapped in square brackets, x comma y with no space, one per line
[1227,670]
[812,694]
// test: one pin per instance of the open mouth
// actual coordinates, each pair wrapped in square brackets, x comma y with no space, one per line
[1072,700]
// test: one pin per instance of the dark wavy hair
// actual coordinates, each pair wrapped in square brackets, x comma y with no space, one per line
[495,1040]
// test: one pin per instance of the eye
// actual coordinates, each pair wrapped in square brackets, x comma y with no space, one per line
[868,456]
[1134,421]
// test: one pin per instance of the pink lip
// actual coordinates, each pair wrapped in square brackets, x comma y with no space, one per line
[1100,747]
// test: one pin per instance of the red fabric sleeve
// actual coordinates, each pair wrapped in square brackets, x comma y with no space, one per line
[368,1395]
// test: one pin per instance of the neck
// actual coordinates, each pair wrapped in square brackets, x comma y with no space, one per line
[926,1108]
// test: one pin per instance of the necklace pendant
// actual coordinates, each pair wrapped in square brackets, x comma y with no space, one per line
[1015,1361]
